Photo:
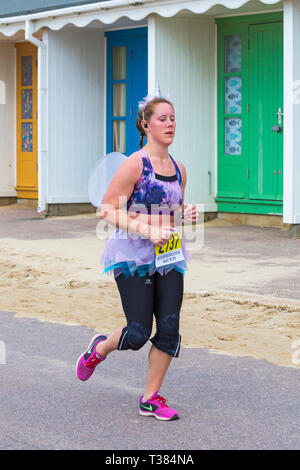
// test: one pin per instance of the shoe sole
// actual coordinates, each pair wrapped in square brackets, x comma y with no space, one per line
[145,413]
[90,344]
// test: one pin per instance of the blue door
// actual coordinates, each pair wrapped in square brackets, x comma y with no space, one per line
[127,83]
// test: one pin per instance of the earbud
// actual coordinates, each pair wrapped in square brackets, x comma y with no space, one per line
[146,126]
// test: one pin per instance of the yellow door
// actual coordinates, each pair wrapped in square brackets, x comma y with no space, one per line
[27,170]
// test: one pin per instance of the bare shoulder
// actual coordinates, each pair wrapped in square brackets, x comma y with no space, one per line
[132,167]
[123,181]
[135,160]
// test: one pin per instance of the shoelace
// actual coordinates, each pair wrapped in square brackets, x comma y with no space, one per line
[93,361]
[161,400]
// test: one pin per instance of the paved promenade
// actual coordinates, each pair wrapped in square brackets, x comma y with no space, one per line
[224,402]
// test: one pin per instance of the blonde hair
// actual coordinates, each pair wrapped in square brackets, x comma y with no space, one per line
[146,115]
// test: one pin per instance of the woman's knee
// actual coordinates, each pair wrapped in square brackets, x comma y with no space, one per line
[168,324]
[134,337]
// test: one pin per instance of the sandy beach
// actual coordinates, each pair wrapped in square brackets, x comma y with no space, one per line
[59,280]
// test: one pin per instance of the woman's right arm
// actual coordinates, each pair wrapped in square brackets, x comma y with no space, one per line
[117,195]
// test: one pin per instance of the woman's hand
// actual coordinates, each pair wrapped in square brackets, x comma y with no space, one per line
[160,235]
[190,213]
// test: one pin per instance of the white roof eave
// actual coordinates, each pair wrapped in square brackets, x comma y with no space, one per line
[110,11]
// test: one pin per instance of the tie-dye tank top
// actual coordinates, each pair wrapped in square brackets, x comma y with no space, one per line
[125,252]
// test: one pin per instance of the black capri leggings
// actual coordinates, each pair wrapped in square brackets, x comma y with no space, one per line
[141,298]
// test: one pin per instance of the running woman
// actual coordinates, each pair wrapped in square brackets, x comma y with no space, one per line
[152,183]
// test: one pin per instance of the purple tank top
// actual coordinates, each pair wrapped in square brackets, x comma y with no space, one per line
[156,191]
[126,253]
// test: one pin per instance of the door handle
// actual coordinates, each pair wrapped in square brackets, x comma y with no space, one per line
[278,128]
[279,116]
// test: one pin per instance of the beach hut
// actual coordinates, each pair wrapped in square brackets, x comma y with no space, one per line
[72,72]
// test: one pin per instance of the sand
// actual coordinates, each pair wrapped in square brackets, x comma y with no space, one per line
[60,281]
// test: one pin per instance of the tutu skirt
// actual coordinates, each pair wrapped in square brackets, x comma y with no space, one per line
[126,253]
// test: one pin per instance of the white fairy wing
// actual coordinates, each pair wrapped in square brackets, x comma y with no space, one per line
[101,176]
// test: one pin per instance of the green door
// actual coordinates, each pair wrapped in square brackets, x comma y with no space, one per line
[265,102]
[250,107]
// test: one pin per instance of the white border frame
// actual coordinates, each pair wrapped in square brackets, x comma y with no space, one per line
[289,125]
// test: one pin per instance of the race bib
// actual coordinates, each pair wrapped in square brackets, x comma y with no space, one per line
[170,252]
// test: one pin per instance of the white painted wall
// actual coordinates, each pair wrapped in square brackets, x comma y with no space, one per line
[75,111]
[182,51]
[7,119]
[291,198]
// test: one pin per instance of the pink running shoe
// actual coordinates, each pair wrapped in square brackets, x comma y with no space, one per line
[88,361]
[156,406]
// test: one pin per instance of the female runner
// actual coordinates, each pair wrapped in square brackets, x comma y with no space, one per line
[153,185]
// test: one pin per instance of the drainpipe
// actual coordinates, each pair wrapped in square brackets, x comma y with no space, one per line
[42,116]
[29,36]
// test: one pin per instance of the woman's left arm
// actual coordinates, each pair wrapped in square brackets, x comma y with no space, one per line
[189,211]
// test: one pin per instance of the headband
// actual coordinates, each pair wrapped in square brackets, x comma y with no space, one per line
[143,103]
